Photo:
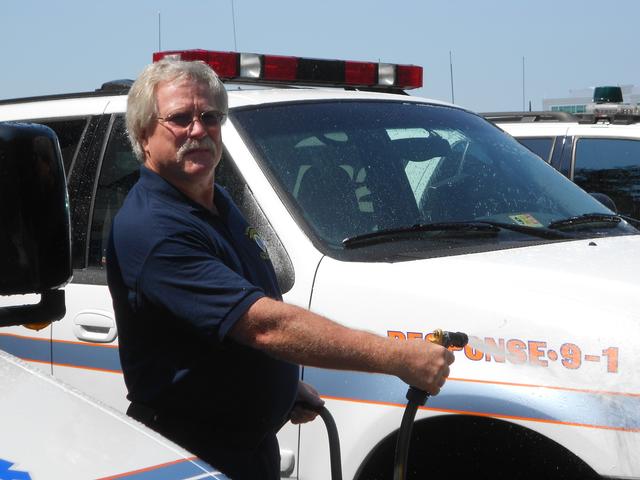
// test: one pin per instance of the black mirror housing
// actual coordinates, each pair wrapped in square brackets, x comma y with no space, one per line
[35,240]
[606,200]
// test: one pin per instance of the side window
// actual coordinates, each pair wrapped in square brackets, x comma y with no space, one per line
[228,176]
[610,166]
[541,146]
[118,173]
[69,133]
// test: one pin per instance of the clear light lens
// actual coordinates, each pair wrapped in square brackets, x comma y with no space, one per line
[250,65]
[386,74]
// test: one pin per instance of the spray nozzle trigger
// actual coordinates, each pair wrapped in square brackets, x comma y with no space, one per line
[454,340]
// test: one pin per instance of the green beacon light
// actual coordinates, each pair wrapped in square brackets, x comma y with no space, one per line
[607,95]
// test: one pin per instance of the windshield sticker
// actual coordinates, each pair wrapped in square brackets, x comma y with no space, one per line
[525,219]
[533,352]
[6,473]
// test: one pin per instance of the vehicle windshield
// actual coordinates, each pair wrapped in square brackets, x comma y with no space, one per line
[349,169]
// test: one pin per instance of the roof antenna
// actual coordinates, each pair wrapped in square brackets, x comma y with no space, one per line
[233,18]
[451,71]
[523,84]
[159,34]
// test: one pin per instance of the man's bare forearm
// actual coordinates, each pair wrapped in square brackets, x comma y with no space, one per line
[300,336]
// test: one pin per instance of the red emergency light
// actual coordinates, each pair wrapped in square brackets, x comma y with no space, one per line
[253,67]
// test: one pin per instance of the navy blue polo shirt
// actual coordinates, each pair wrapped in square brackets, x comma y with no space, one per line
[180,277]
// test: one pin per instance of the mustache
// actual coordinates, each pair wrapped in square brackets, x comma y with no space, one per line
[205,143]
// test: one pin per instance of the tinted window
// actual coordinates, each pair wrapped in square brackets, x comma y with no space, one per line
[540,146]
[610,166]
[69,135]
[119,171]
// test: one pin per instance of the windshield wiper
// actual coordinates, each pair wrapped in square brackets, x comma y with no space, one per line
[392,233]
[588,218]
[541,232]
[476,227]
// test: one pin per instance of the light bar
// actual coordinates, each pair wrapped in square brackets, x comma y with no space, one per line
[258,68]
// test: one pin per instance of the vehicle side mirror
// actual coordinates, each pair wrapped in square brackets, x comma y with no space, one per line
[606,200]
[35,239]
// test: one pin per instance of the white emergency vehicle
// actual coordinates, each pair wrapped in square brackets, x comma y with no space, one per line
[50,430]
[399,215]
[598,149]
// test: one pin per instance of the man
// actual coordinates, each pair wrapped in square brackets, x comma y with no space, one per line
[209,351]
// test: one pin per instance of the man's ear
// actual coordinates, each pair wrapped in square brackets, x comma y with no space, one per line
[144,143]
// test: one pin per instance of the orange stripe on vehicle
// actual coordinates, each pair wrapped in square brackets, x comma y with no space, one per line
[80,367]
[146,469]
[485,414]
[550,387]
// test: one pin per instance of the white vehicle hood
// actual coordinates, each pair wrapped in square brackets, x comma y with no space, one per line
[51,431]
[584,293]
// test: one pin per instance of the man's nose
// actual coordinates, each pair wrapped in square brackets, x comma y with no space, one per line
[197,129]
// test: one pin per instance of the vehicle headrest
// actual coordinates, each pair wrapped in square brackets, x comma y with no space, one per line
[422,149]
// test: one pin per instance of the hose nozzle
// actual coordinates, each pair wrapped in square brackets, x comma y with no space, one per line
[452,340]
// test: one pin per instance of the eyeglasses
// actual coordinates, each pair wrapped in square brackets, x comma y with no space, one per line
[209,119]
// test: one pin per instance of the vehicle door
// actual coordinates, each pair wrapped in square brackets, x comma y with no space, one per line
[547,140]
[607,161]
[84,344]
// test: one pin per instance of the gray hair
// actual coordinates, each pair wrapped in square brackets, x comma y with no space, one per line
[142,106]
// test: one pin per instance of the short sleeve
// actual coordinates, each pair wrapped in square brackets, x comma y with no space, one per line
[184,276]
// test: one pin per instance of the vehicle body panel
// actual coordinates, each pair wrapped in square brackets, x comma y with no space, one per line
[71,436]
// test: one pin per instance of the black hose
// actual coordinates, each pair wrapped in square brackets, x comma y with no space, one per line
[415,398]
[402,445]
[334,443]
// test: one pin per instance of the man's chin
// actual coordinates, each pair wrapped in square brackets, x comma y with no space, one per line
[199,163]
[199,157]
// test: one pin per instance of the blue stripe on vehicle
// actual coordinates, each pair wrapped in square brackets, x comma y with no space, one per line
[86,355]
[597,409]
[27,348]
[8,473]
[182,470]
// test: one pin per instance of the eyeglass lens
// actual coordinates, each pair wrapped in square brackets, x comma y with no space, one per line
[208,119]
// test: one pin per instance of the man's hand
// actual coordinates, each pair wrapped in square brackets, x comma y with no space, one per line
[308,402]
[426,365]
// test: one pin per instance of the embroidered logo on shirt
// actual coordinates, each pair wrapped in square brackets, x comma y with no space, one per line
[253,234]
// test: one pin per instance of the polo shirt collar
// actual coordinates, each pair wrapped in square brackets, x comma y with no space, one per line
[160,186]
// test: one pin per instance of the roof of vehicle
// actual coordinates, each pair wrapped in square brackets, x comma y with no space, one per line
[526,117]
[239,98]
[538,124]
[109,100]
[609,118]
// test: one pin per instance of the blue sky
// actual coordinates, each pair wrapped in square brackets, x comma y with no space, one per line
[76,45]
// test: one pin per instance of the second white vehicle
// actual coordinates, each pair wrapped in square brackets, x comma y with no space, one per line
[599,150]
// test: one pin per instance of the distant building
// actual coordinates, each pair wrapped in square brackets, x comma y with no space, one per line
[579,99]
